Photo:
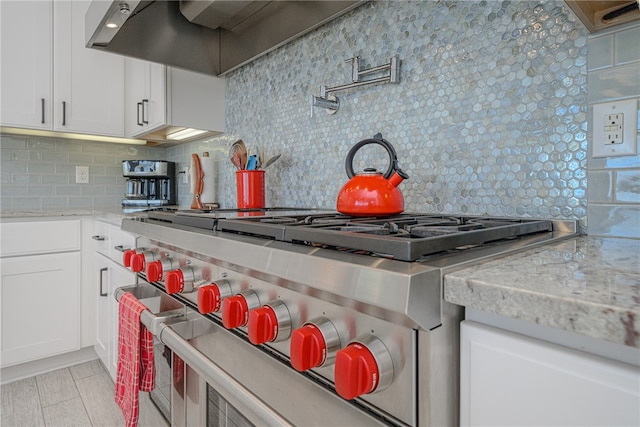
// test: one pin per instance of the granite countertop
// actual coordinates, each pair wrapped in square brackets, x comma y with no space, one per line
[587,285]
[100,212]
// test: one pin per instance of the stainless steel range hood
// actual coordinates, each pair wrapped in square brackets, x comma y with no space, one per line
[208,36]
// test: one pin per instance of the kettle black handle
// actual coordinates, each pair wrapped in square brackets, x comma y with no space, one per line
[377,139]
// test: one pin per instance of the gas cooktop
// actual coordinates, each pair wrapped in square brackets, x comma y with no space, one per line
[404,237]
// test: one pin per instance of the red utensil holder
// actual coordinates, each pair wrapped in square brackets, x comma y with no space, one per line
[250,189]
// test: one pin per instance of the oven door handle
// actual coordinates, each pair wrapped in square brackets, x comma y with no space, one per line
[254,408]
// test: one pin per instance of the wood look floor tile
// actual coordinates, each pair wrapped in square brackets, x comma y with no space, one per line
[83,370]
[56,386]
[97,394]
[21,404]
[70,413]
[149,414]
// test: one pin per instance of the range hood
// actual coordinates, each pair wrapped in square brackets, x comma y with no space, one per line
[207,36]
[598,15]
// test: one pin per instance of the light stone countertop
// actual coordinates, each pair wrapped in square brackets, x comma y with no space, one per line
[105,213]
[587,285]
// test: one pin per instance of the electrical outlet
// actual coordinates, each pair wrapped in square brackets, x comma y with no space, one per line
[82,174]
[614,128]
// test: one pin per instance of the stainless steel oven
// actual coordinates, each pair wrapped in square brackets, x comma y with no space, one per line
[284,319]
[202,392]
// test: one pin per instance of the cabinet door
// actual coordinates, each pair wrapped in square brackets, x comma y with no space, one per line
[155,109]
[40,306]
[134,88]
[145,91]
[508,379]
[89,84]
[26,63]
[104,315]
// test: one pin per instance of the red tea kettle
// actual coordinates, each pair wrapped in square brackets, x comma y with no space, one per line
[370,192]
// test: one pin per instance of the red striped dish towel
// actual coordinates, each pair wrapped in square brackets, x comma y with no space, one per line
[136,370]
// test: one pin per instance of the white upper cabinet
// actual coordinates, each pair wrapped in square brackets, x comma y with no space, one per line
[160,99]
[48,73]
[88,84]
[27,63]
[145,94]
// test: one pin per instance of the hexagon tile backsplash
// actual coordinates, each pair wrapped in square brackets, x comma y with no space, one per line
[489,117]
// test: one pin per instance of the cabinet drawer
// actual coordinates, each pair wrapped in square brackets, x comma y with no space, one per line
[39,237]
[101,237]
[120,242]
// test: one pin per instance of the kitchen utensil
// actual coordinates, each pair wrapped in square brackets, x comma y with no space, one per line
[271,161]
[238,148]
[252,163]
[370,192]
[235,159]
[197,183]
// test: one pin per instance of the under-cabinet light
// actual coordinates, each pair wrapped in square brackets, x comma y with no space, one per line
[48,133]
[185,134]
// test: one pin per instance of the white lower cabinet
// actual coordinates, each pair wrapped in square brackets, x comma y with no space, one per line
[109,275]
[40,306]
[508,379]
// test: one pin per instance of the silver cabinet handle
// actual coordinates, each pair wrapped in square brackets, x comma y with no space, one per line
[98,238]
[120,248]
[102,271]
[64,113]
[42,108]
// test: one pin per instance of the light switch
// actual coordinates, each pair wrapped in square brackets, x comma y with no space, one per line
[614,128]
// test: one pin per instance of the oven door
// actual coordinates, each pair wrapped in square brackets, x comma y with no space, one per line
[191,390]
[219,378]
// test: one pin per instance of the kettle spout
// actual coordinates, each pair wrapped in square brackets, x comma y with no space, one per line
[398,176]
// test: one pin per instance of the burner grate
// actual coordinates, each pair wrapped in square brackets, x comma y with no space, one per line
[406,237]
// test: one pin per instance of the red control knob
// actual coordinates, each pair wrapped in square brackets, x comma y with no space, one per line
[174,282]
[210,295]
[126,257]
[235,311]
[308,348]
[154,271]
[356,371]
[209,299]
[263,325]
[137,262]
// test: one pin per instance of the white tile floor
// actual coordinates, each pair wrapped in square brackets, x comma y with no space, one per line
[81,395]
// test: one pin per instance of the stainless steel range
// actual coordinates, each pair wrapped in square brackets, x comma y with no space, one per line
[307,317]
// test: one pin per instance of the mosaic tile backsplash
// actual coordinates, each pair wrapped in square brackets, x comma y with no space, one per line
[489,116]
